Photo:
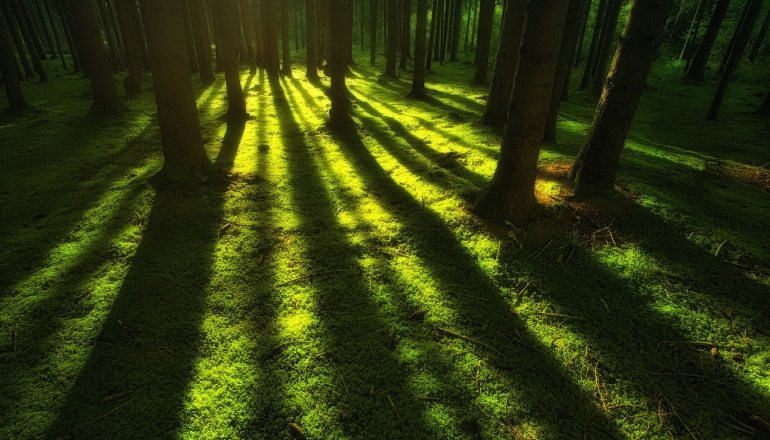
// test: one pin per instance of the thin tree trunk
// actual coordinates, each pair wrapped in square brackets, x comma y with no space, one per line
[44,28]
[741,41]
[312,70]
[390,63]
[65,17]
[439,20]
[446,11]
[500,88]
[247,37]
[339,114]
[595,167]
[473,27]
[698,65]
[418,79]
[115,27]
[583,26]
[363,25]
[591,60]
[11,81]
[456,32]
[765,107]
[510,196]
[189,36]
[285,43]
[133,82]
[372,32]
[467,28]
[733,38]
[202,42]
[112,43]
[34,54]
[236,104]
[406,26]
[692,33]
[296,25]
[259,48]
[613,12]
[432,37]
[30,25]
[760,38]
[349,28]
[671,36]
[141,38]
[486,17]
[13,30]
[55,32]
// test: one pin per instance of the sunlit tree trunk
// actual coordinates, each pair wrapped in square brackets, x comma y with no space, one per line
[510,196]
[605,49]
[29,39]
[185,158]
[236,104]
[339,114]
[499,95]
[132,82]
[592,48]
[106,99]
[8,70]
[760,38]
[312,67]
[418,78]
[595,167]
[13,30]
[390,49]
[486,17]
[203,43]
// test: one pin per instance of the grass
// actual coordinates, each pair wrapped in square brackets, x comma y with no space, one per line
[339,288]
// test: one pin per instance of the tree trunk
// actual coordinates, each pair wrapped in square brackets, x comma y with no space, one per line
[595,167]
[692,33]
[473,27]
[285,43]
[418,79]
[734,37]
[184,157]
[114,24]
[236,104]
[765,107]
[26,18]
[439,20]
[13,30]
[432,37]
[44,28]
[338,114]
[372,32]
[510,196]
[189,36]
[363,24]
[579,33]
[760,38]
[505,65]
[106,99]
[583,26]
[133,82]
[741,41]
[698,66]
[562,69]
[270,40]
[247,37]
[29,39]
[390,55]
[321,29]
[8,70]
[446,11]
[55,32]
[486,17]
[613,12]
[64,18]
[597,30]
[259,48]
[112,43]
[406,26]
[467,27]
[203,43]
[312,70]
[456,31]
[136,18]
[349,33]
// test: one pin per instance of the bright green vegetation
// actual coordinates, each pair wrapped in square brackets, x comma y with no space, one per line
[340,284]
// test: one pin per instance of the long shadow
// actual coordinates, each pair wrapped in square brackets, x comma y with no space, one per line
[537,379]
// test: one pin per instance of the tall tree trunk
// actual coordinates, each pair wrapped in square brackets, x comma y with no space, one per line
[505,65]
[455,43]
[467,28]
[8,70]
[141,38]
[133,82]
[349,28]
[259,49]
[579,33]
[247,37]
[597,30]
[25,20]
[321,29]
[733,38]
[473,27]
[115,27]
[13,30]
[390,55]
[692,33]
[65,19]
[613,12]
[285,43]
[672,37]
[439,20]
[446,12]
[372,32]
[698,65]
[29,38]
[595,167]
[406,26]
[338,114]
[510,196]
[432,37]
[296,25]
[189,36]
[270,40]
[741,41]
[184,157]
[765,107]
[312,70]
[55,32]
[236,104]
[89,36]
[117,64]
[363,25]
[586,11]
[44,28]
[203,43]
[418,78]
[760,38]
[486,18]
[562,69]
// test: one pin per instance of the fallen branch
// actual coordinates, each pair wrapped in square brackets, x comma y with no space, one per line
[557,315]
[310,275]
[502,425]
[395,410]
[467,338]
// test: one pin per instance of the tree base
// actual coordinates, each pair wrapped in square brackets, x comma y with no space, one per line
[420,95]
[107,107]
[180,175]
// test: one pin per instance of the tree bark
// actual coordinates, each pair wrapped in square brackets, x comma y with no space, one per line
[285,43]
[200,20]
[259,48]
[117,64]
[338,114]
[760,38]
[65,21]
[55,32]
[692,33]
[372,32]
[247,37]
[418,78]
[499,95]
[595,167]
[106,99]
[438,22]
[312,70]
[579,31]
[486,17]
[236,104]
[741,41]
[510,196]
[613,12]
[189,36]
[406,26]
[390,55]
[733,38]
[432,37]
[473,27]
[133,82]
[13,30]
[562,69]
[184,156]
[25,20]
[455,43]
[591,60]
[11,81]
[586,11]
[270,40]
[698,65]
[44,28]
[29,40]
[141,38]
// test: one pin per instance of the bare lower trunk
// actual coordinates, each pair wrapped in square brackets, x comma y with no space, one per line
[390,63]
[486,18]
[133,82]
[613,12]
[591,60]
[8,70]
[236,104]
[312,69]
[339,114]
[698,65]
[418,79]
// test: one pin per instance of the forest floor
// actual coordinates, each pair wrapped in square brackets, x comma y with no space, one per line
[338,286]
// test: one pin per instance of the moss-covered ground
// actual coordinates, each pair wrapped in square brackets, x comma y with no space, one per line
[338,286]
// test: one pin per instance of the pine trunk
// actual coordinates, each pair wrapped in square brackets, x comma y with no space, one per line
[189,36]
[202,41]
[338,114]
[13,30]
[486,17]
[55,32]
[760,38]
[29,38]
[236,104]
[698,65]
[65,18]
[734,37]
[432,37]
[595,167]
[406,26]
[582,30]
[44,29]
[692,33]
[285,43]
[312,70]
[26,18]
[8,70]
[439,20]
[259,48]
[390,62]
[613,12]
[591,60]
[117,64]
[505,65]
[133,82]
[270,39]
[247,37]
[455,43]
[510,196]
[418,79]
[372,32]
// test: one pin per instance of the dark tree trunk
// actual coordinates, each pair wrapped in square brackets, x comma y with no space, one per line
[312,69]
[579,33]
[505,65]
[741,41]
[562,69]
[390,55]
[91,46]
[473,27]
[455,43]
[184,157]
[349,33]
[597,30]
[29,23]
[8,70]
[698,65]
[692,33]
[613,12]
[270,40]
[406,26]
[259,48]
[467,28]
[65,19]
[296,26]
[734,37]
[439,20]
[446,11]
[586,11]
[338,114]
[29,39]
[760,38]
[432,38]
[133,82]
[486,17]
[285,43]
[112,43]
[418,79]
[764,109]
[236,104]
[372,32]
[595,167]
[136,18]
[55,32]
[203,43]
[510,196]
[247,37]
[44,28]
[115,27]
[321,29]
[13,30]
[189,36]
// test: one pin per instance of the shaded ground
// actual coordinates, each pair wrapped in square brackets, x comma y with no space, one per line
[338,288]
